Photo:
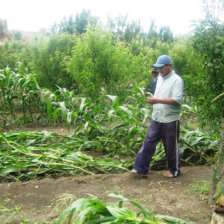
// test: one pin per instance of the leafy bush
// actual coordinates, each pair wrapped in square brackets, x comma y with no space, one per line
[12,53]
[47,60]
[185,62]
[98,63]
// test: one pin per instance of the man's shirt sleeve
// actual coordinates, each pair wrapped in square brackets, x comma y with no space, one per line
[178,91]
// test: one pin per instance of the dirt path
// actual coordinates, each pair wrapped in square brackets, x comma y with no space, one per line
[182,197]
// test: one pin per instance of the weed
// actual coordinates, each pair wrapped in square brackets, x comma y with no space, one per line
[201,187]
[10,214]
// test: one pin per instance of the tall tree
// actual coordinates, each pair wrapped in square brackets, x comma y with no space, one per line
[84,19]
[152,30]
[165,34]
[3,26]
[209,46]
[77,25]
[124,30]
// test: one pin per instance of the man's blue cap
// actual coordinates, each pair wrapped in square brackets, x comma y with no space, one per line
[163,60]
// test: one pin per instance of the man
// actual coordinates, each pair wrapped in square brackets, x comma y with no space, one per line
[155,73]
[165,120]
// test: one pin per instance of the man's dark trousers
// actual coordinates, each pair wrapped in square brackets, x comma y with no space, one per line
[169,134]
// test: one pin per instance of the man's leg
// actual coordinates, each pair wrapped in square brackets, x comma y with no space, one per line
[147,150]
[170,136]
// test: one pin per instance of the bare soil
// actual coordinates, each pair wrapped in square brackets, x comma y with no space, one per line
[182,197]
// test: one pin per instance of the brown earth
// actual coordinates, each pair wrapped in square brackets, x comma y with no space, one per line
[40,201]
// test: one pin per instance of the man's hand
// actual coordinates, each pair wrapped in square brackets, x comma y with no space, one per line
[153,100]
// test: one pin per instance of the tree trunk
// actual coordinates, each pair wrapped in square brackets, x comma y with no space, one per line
[218,170]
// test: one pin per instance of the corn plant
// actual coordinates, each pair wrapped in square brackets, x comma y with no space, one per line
[197,146]
[29,155]
[92,211]
[107,125]
[19,91]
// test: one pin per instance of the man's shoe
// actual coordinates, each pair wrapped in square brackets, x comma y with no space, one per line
[135,172]
[169,175]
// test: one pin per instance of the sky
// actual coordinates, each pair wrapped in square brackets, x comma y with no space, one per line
[32,15]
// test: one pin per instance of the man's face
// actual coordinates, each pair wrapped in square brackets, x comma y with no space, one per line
[165,70]
[154,74]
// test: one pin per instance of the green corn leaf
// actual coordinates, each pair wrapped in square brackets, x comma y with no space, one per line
[30,142]
[9,170]
[118,197]
[49,108]
[63,215]
[55,115]
[147,214]
[120,212]
[2,77]
[220,193]
[105,220]
[69,117]
[115,101]
[125,109]
[75,206]
[111,113]
[147,113]
[85,213]
[170,219]
[83,103]
[141,91]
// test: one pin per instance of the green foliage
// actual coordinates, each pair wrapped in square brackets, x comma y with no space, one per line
[92,61]
[17,35]
[3,28]
[106,125]
[75,26]
[209,42]
[202,187]
[88,78]
[10,213]
[185,62]
[209,47]
[130,31]
[18,90]
[87,210]
[207,84]
[48,56]
[13,52]
[27,155]
[220,193]
[83,20]
[123,30]
[99,64]
[165,34]
[198,146]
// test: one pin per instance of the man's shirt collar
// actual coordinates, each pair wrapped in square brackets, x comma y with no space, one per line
[167,76]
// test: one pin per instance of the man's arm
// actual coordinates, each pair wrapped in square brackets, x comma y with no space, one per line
[164,101]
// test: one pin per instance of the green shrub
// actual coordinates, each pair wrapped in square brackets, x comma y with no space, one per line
[48,57]
[98,63]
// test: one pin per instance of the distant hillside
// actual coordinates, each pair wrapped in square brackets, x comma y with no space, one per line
[5,33]
[18,35]
[27,35]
